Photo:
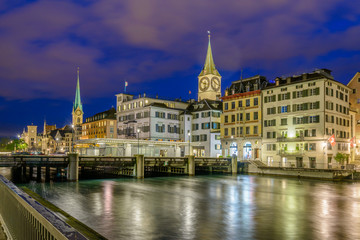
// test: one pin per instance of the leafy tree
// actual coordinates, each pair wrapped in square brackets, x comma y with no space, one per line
[340,158]
[18,144]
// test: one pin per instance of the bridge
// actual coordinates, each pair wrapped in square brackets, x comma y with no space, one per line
[137,166]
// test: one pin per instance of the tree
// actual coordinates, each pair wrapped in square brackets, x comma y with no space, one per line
[16,144]
[340,158]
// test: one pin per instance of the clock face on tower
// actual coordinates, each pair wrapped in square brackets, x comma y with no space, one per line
[204,84]
[215,83]
[78,112]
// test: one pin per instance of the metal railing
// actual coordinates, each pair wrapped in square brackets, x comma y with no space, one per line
[25,218]
[212,161]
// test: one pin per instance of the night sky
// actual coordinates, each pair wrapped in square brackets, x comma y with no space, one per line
[159,47]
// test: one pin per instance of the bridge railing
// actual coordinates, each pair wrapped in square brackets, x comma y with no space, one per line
[25,218]
[105,159]
[212,161]
[165,161]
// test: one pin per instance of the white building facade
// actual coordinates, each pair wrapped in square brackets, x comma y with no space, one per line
[300,114]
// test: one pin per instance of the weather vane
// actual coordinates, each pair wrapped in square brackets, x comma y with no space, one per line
[209,33]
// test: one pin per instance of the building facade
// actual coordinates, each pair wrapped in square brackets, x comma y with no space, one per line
[354,84]
[300,114]
[241,128]
[100,125]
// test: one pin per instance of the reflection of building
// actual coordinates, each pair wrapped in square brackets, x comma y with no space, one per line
[241,120]
[300,113]
[101,125]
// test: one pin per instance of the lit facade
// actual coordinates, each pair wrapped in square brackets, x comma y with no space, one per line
[300,113]
[241,127]
[101,125]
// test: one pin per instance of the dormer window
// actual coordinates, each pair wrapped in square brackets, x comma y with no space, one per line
[256,87]
[248,88]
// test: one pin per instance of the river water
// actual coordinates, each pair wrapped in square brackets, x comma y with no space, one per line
[211,207]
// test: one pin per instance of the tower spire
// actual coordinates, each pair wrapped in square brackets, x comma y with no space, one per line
[77,103]
[209,66]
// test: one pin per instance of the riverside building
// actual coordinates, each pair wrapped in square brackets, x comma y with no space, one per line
[100,125]
[300,114]
[241,128]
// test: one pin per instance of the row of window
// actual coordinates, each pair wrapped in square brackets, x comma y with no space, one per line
[206,114]
[338,94]
[170,128]
[339,121]
[255,102]
[214,125]
[295,94]
[239,117]
[199,138]
[239,131]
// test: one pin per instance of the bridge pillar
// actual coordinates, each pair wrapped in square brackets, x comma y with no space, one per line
[139,167]
[31,171]
[38,173]
[191,165]
[73,167]
[47,174]
[234,165]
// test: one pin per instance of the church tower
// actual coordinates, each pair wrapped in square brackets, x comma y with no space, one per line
[209,79]
[77,111]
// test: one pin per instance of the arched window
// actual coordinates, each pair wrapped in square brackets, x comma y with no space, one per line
[78,120]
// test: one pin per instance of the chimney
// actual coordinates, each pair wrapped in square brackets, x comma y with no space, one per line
[288,80]
[144,94]
[232,91]
[157,96]
[304,76]
[277,81]
[226,92]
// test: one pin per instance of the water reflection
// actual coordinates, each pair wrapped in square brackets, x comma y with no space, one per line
[211,207]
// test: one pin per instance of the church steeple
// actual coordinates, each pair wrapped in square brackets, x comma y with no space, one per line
[209,66]
[77,111]
[209,79]
[77,103]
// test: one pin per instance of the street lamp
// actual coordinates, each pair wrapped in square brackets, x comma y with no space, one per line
[72,140]
[189,135]
[138,133]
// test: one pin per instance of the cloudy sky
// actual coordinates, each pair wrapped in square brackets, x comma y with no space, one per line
[159,47]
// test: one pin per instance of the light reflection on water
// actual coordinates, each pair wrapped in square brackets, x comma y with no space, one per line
[211,207]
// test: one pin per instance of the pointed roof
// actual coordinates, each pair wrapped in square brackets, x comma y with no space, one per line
[77,103]
[209,66]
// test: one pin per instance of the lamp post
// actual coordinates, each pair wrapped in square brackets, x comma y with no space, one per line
[138,133]
[72,140]
[189,135]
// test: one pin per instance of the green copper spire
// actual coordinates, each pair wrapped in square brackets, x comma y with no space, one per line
[77,103]
[209,66]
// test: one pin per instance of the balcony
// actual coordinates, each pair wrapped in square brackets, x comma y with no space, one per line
[290,152]
[288,139]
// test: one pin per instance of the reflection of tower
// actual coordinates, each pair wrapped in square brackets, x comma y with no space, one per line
[209,79]
[77,111]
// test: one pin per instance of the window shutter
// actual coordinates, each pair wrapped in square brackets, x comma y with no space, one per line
[288,95]
[265,99]
[294,94]
[305,93]
[317,105]
[305,119]
[294,120]
[294,107]
[279,97]
[305,106]
[279,109]
[274,110]
[306,133]
[317,91]
[265,123]
[273,98]
[288,108]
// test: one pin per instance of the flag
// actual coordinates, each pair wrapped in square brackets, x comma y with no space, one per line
[352,142]
[332,140]
[189,92]
[126,83]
